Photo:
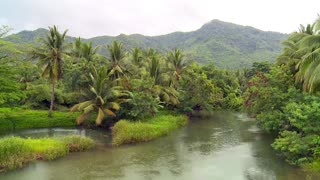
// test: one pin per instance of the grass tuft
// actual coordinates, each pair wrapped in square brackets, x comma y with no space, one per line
[15,152]
[77,143]
[126,132]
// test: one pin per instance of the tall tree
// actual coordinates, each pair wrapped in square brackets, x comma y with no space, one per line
[177,63]
[50,54]
[116,56]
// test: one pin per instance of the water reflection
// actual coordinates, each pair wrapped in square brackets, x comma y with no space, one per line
[221,146]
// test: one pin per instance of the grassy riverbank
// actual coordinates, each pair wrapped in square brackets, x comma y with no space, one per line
[17,118]
[15,152]
[126,132]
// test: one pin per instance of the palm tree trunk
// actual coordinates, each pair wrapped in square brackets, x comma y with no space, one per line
[52,99]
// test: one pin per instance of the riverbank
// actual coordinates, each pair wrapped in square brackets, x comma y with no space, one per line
[17,118]
[15,152]
[128,132]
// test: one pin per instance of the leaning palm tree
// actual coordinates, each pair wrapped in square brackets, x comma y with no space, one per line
[103,97]
[117,54]
[50,54]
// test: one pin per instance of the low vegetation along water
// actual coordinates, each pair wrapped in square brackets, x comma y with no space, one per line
[221,146]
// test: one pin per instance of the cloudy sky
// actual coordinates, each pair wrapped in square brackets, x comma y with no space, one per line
[88,18]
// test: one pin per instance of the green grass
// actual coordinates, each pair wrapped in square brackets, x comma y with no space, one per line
[47,148]
[126,132]
[15,152]
[76,143]
[17,118]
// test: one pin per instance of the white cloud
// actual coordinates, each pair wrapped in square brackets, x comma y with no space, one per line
[153,17]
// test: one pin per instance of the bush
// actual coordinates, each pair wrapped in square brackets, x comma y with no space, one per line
[125,132]
[297,149]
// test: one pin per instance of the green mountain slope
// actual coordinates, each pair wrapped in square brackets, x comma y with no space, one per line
[227,45]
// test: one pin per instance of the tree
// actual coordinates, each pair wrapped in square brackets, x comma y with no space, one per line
[116,56]
[10,90]
[177,63]
[309,65]
[161,84]
[50,54]
[103,97]
[301,55]
[137,56]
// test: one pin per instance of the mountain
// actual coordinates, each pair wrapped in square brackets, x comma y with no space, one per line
[226,44]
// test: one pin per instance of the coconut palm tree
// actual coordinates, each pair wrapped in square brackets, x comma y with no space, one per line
[116,56]
[50,54]
[161,86]
[309,65]
[103,97]
[83,50]
[177,63]
[137,56]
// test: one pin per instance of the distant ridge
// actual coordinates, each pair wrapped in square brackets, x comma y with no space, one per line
[226,44]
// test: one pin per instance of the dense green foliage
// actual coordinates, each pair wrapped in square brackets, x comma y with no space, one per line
[15,152]
[226,44]
[126,132]
[135,85]
[285,99]
[126,83]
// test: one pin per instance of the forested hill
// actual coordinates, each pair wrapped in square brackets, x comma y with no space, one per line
[226,44]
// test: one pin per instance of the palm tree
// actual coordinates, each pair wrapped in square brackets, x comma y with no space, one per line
[309,65]
[50,54]
[83,50]
[117,54]
[160,86]
[154,68]
[177,63]
[76,50]
[88,51]
[103,97]
[137,56]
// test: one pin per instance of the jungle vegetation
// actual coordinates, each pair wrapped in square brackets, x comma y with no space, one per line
[138,89]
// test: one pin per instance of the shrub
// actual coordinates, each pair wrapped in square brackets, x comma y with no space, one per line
[125,132]
[296,148]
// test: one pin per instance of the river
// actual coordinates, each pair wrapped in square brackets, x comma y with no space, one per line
[222,146]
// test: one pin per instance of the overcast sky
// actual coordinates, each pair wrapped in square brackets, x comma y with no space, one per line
[88,18]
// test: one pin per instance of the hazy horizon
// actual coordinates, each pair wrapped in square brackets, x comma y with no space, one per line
[152,18]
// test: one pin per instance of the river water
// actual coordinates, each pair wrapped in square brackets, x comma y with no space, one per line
[222,146]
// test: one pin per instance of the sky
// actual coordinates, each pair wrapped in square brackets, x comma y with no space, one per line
[89,18]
